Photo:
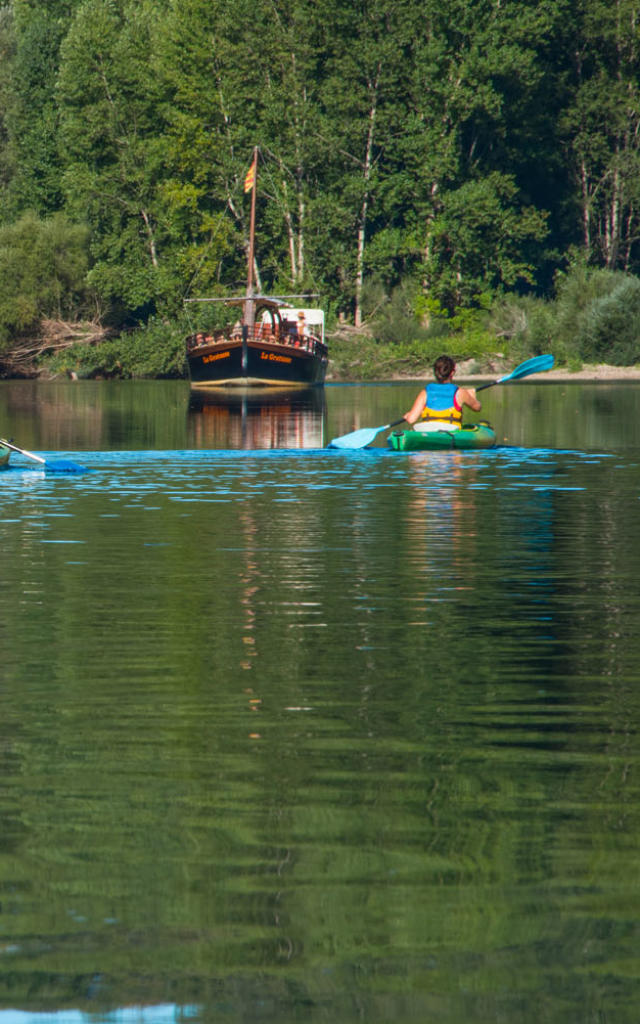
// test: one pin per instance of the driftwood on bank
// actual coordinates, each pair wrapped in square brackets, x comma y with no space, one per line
[22,359]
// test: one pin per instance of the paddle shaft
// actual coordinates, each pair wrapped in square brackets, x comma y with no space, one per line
[22,451]
[51,466]
[537,364]
[501,380]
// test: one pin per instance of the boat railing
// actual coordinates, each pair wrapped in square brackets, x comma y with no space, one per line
[288,333]
[203,339]
[259,332]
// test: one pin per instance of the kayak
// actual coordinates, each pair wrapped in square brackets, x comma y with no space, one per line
[4,456]
[480,435]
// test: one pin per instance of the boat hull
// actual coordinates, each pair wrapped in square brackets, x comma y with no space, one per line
[5,454]
[480,435]
[226,364]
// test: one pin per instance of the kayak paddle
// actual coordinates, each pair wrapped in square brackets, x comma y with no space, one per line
[51,466]
[536,365]
[361,438]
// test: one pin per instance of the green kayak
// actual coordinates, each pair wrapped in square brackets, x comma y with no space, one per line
[480,435]
[5,454]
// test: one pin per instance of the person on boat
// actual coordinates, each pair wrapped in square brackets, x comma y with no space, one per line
[265,329]
[302,331]
[439,405]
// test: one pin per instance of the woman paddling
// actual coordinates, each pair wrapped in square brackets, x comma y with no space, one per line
[439,405]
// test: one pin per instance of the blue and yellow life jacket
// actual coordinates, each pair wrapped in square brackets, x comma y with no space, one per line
[440,404]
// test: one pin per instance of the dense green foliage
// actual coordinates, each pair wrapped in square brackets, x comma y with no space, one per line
[43,266]
[451,150]
[155,349]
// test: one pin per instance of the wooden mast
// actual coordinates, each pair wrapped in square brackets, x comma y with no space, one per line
[248,319]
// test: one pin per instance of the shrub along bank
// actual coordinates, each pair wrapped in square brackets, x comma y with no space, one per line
[593,317]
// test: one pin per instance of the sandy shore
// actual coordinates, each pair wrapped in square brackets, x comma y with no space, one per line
[601,372]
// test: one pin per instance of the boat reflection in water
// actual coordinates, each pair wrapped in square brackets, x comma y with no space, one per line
[255,418]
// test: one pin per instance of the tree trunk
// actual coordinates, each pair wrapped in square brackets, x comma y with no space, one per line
[362,224]
[152,241]
[586,217]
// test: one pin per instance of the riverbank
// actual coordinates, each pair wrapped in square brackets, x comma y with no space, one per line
[601,372]
[356,357]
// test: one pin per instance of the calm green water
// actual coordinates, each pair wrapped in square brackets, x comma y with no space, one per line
[289,734]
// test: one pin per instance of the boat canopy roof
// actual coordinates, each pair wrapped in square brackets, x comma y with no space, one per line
[313,316]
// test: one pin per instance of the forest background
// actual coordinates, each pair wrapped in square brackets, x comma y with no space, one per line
[458,175]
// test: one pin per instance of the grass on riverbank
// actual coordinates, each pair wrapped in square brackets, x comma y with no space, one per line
[356,356]
[592,319]
[158,352]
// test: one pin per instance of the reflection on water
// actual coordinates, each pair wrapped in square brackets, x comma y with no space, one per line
[74,416]
[255,418]
[159,414]
[293,734]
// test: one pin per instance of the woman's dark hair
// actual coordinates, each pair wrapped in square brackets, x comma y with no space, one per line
[443,368]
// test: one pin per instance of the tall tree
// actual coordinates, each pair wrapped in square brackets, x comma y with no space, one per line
[366,47]
[290,67]
[32,114]
[411,140]
[7,101]
[421,101]
[243,74]
[475,68]
[602,129]
[210,95]
[115,175]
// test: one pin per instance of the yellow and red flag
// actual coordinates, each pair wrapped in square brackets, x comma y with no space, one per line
[250,178]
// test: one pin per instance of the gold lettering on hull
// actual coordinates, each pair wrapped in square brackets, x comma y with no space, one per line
[274,358]
[218,355]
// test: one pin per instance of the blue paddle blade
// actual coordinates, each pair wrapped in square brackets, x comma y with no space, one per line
[538,364]
[361,438]
[356,439]
[49,465]
[63,466]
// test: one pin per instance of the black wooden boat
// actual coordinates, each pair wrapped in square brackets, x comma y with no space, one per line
[276,344]
[269,343]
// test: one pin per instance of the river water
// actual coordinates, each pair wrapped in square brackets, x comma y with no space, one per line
[291,734]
